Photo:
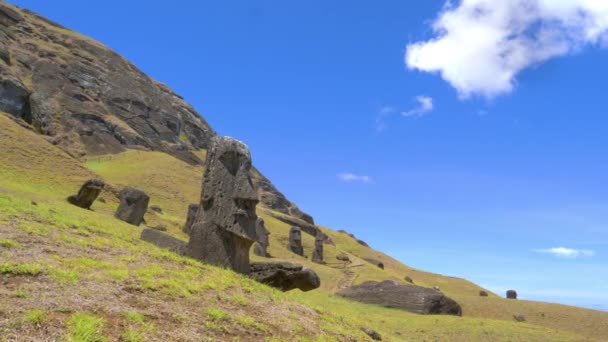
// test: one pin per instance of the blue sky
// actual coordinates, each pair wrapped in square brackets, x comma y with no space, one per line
[476,148]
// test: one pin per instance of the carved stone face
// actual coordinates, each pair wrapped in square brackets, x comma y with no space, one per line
[262,232]
[228,197]
[295,236]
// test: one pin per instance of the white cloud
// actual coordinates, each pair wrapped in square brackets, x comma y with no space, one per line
[351,177]
[479,46]
[569,253]
[425,105]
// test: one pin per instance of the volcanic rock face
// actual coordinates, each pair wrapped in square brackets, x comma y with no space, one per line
[295,241]
[192,211]
[416,299]
[92,101]
[133,206]
[224,228]
[285,276]
[87,194]
[260,247]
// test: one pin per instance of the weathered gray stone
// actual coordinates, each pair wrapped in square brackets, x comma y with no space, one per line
[317,255]
[192,211]
[260,247]
[295,241]
[375,262]
[133,206]
[87,194]
[416,299]
[285,276]
[372,334]
[224,228]
[163,240]
[14,99]
[511,294]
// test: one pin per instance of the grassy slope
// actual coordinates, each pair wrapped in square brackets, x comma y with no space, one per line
[93,266]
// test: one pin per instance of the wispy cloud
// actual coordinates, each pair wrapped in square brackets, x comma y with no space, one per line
[383,113]
[480,46]
[351,177]
[568,253]
[425,105]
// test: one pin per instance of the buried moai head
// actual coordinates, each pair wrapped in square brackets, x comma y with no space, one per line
[87,194]
[224,228]
[133,206]
[295,240]
[511,294]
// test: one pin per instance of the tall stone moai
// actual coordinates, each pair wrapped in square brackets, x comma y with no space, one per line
[317,255]
[224,227]
[192,211]
[295,240]
[260,247]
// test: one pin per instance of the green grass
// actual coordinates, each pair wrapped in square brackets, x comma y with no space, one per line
[20,269]
[36,317]
[85,327]
[217,315]
[6,243]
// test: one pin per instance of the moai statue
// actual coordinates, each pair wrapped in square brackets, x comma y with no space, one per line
[511,294]
[317,255]
[260,247]
[224,228]
[192,211]
[87,194]
[295,240]
[133,206]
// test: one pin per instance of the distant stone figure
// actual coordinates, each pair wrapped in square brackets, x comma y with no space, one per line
[375,262]
[87,194]
[317,255]
[260,247]
[133,206]
[483,293]
[224,227]
[512,294]
[409,279]
[295,240]
[192,211]
[285,276]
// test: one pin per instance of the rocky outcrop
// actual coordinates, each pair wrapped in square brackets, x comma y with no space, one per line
[285,276]
[87,194]
[416,299]
[133,206]
[92,101]
[224,227]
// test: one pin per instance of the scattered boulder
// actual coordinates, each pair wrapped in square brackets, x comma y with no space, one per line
[224,227]
[519,318]
[343,257]
[483,293]
[156,209]
[192,211]
[317,255]
[162,240]
[409,279]
[87,194]
[416,299]
[511,294]
[285,276]
[260,247]
[375,262]
[295,241]
[362,243]
[133,206]
[371,333]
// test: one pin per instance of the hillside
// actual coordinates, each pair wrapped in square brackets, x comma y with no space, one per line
[62,265]
[71,110]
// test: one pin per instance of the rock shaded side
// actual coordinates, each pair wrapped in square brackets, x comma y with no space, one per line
[87,194]
[285,276]
[192,211]
[133,206]
[416,299]
[295,241]
[375,262]
[260,247]
[163,240]
[224,227]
